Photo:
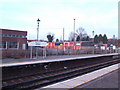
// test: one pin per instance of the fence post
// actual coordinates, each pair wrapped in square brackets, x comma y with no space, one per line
[31,53]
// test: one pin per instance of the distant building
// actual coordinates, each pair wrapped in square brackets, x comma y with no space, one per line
[115,42]
[13,39]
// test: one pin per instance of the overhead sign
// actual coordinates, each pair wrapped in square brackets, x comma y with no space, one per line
[37,43]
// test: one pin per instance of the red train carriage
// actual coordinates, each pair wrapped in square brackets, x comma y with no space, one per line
[84,45]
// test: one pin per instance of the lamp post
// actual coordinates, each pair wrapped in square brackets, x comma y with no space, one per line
[74,37]
[93,42]
[93,34]
[74,31]
[38,28]
[37,36]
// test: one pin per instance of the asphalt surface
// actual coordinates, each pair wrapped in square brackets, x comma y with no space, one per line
[110,80]
[10,60]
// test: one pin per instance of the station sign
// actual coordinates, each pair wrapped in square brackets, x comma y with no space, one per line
[37,43]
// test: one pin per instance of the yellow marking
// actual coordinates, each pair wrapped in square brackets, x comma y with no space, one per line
[90,80]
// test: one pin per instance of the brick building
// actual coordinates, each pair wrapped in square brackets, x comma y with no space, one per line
[115,42]
[13,39]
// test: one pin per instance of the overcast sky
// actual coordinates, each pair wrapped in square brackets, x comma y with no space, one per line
[100,16]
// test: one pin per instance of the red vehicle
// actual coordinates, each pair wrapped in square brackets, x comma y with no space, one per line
[84,45]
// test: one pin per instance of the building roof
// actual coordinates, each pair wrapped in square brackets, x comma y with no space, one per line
[9,31]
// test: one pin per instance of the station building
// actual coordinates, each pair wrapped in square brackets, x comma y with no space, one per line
[13,39]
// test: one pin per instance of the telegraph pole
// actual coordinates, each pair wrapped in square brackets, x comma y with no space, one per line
[63,34]
[63,40]
[93,42]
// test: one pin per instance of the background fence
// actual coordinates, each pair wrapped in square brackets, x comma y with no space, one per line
[14,53]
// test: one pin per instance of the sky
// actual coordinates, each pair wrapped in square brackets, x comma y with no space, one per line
[100,16]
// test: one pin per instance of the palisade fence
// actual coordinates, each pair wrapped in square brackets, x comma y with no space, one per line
[16,54]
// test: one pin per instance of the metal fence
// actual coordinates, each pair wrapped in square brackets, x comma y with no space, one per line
[51,52]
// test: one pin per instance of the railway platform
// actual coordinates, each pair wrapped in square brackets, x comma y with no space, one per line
[16,62]
[110,80]
[102,78]
[40,58]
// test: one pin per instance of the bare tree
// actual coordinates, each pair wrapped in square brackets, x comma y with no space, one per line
[71,36]
[80,32]
[50,37]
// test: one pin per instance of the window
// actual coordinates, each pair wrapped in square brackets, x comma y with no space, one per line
[87,44]
[12,44]
[2,44]
[58,43]
[23,46]
[13,35]
[20,35]
[17,35]
[71,43]
[23,36]
[4,35]
[0,35]
[9,35]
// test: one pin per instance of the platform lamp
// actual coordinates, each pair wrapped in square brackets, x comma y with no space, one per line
[38,28]
[74,37]
[74,32]
[93,41]
[37,36]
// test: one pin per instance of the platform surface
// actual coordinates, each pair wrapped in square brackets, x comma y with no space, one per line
[15,62]
[10,60]
[95,79]
[109,80]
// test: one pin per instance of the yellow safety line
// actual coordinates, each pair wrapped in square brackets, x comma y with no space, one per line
[90,80]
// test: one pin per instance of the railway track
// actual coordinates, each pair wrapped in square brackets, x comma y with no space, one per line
[42,79]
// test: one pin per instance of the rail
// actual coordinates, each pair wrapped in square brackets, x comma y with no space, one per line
[29,79]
